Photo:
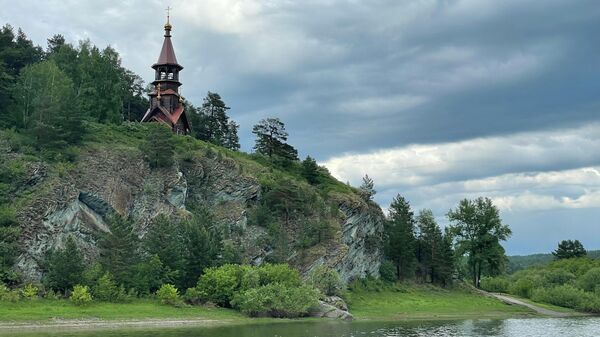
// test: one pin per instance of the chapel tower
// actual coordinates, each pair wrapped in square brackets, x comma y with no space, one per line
[166,103]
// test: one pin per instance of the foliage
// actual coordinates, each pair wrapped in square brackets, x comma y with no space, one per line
[327,281]
[168,294]
[30,292]
[219,284]
[568,249]
[400,241]
[434,250]
[590,281]
[159,145]
[106,289]
[65,267]
[522,287]
[80,295]
[9,246]
[478,230]
[367,189]
[212,124]
[564,295]
[495,284]
[271,140]
[276,300]
[387,271]
[310,170]
[119,250]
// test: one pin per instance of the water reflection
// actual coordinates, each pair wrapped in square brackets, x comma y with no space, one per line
[573,327]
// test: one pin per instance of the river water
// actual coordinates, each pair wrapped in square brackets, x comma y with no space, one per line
[531,327]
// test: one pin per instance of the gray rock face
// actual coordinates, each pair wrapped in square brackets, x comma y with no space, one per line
[326,309]
[107,182]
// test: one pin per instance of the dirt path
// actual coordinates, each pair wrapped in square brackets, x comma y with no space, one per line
[543,311]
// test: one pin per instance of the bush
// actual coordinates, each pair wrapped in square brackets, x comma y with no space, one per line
[279,273]
[8,295]
[107,290]
[387,271]
[51,295]
[565,296]
[81,295]
[194,296]
[495,284]
[522,287]
[168,294]
[220,283]
[327,281]
[276,300]
[590,280]
[557,277]
[30,292]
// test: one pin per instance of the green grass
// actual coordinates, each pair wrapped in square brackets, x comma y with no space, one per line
[49,310]
[546,306]
[424,302]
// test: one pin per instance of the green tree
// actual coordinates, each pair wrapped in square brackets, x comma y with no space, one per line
[568,249]
[434,250]
[203,247]
[400,241]
[367,189]
[119,250]
[213,124]
[9,245]
[43,104]
[478,230]
[271,139]
[65,267]
[159,145]
[310,170]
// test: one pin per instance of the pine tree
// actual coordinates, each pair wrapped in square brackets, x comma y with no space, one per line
[159,146]
[202,244]
[232,140]
[165,241]
[119,249]
[65,267]
[401,242]
[9,246]
[568,249]
[310,170]
[271,139]
[367,189]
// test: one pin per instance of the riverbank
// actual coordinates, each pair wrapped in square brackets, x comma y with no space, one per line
[393,303]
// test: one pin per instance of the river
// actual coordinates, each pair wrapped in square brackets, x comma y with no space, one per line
[531,327]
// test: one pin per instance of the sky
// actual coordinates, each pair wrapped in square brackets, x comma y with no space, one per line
[435,100]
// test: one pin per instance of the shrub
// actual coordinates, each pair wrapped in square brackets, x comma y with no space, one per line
[194,296]
[327,281]
[220,283]
[8,295]
[590,280]
[557,277]
[81,295]
[387,271]
[30,292]
[495,284]
[279,273]
[276,300]
[168,294]
[522,287]
[565,296]
[107,290]
[51,295]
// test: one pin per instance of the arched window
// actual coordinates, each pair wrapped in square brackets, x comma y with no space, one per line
[170,76]
[163,75]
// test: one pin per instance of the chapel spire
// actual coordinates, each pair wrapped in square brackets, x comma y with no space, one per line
[166,102]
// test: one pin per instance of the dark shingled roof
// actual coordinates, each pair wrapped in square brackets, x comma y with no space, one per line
[167,54]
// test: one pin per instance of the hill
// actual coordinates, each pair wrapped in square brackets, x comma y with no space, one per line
[264,211]
[520,262]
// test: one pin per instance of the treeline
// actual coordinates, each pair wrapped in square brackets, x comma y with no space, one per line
[416,248]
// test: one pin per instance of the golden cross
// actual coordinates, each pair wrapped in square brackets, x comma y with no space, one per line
[168,13]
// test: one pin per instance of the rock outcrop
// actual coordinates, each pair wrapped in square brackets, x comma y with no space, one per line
[104,181]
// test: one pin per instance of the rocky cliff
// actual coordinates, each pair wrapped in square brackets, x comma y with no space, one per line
[57,200]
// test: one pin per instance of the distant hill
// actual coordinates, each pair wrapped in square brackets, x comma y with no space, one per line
[518,262]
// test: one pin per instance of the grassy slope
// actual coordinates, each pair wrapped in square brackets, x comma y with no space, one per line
[48,310]
[422,302]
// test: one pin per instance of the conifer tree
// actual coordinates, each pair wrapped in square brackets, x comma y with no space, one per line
[65,267]
[232,140]
[310,170]
[401,242]
[9,247]
[119,249]
[271,139]
[367,189]
[159,145]
[568,249]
